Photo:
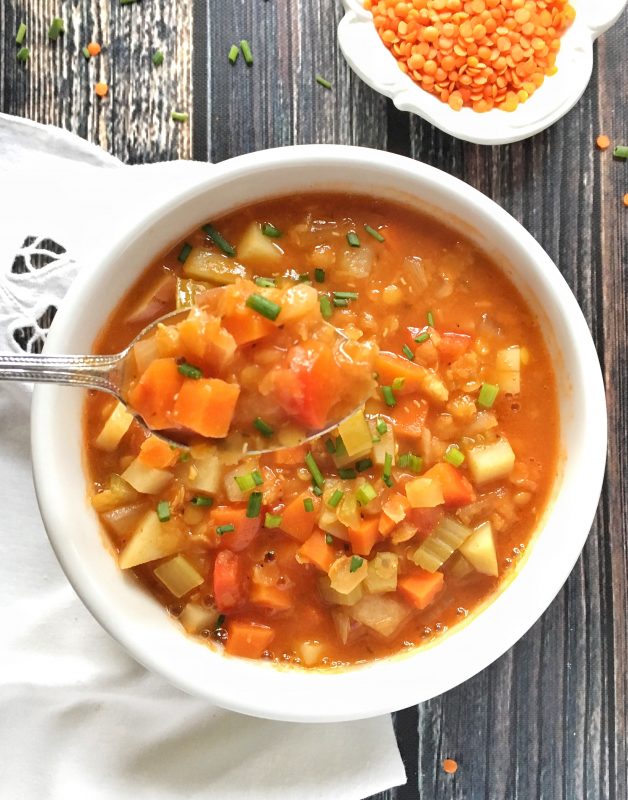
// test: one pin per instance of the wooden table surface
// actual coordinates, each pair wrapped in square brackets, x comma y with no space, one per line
[549,719]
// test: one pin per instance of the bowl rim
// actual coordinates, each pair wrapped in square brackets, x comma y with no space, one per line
[286,689]
[356,34]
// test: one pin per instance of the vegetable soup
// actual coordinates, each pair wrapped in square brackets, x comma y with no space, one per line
[383,534]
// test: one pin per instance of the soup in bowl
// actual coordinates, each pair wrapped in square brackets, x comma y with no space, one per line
[393,557]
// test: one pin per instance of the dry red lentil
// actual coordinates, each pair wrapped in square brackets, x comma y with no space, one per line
[481,53]
[603,142]
[449,765]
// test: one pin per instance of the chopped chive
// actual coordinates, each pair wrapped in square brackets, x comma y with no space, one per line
[323,82]
[347,473]
[157,58]
[410,461]
[246,52]
[263,427]
[407,352]
[185,456]
[23,54]
[163,510]
[487,395]
[335,498]
[220,621]
[353,239]
[329,539]
[308,505]
[422,337]
[257,477]
[304,277]
[454,456]
[225,529]
[254,505]
[375,234]
[234,52]
[363,464]
[245,482]
[381,427]
[189,370]
[200,500]
[185,252]
[56,27]
[270,231]
[263,306]
[219,241]
[266,283]
[389,397]
[621,151]
[319,275]
[403,460]
[356,563]
[430,319]
[325,305]
[315,472]
[330,446]
[86,53]
[21,33]
[386,474]
[272,521]
[346,295]
[179,116]
[341,302]
[317,490]
[365,494]
[397,384]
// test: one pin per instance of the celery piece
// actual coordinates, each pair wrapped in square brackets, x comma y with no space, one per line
[439,546]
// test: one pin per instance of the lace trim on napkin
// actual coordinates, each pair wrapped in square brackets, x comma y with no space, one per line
[30,293]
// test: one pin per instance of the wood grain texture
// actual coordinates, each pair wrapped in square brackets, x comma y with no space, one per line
[547,721]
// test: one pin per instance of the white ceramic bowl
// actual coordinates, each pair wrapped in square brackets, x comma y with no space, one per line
[375,64]
[140,624]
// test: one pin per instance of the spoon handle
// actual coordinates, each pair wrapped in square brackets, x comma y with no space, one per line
[91,372]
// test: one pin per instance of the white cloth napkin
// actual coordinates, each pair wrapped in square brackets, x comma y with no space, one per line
[78,717]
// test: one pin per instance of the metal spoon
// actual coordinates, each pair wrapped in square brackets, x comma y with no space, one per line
[107,374]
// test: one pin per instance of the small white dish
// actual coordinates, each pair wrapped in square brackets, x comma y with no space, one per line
[140,623]
[371,60]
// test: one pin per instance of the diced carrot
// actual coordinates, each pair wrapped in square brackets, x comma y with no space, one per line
[390,366]
[316,550]
[154,452]
[205,339]
[228,581]
[247,326]
[248,639]
[363,538]
[154,394]
[385,524]
[452,345]
[296,521]
[246,528]
[409,416]
[457,490]
[269,596]
[168,341]
[290,456]
[206,406]
[421,587]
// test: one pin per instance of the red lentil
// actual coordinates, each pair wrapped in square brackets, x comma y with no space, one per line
[449,765]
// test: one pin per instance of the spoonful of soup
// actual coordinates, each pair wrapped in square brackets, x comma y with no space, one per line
[249,368]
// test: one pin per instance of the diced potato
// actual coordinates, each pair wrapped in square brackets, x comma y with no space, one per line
[257,251]
[479,550]
[204,474]
[117,424]
[508,370]
[382,573]
[297,302]
[332,596]
[196,618]
[234,493]
[178,575]
[146,480]
[152,540]
[311,652]
[344,575]
[380,613]
[208,265]
[424,493]
[119,493]
[385,445]
[356,434]
[488,462]
[439,545]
